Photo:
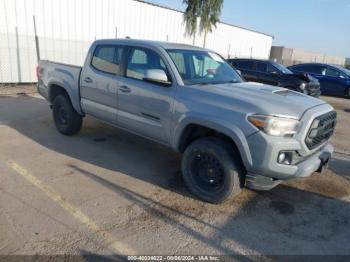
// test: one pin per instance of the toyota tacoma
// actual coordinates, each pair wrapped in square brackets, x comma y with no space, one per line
[231,133]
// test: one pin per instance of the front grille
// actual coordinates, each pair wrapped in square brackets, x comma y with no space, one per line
[321,129]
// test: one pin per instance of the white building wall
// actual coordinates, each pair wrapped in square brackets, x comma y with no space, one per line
[66,29]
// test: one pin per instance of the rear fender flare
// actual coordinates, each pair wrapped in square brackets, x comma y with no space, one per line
[74,98]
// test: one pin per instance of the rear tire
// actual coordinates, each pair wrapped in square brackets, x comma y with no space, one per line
[211,170]
[347,93]
[68,122]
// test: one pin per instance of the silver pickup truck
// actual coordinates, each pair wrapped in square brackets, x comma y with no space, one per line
[231,133]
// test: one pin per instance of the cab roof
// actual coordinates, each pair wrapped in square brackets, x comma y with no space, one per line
[145,43]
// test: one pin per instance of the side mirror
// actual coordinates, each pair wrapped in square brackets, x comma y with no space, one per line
[157,76]
[239,72]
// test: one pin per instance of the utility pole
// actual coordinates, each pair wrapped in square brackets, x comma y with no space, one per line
[36,41]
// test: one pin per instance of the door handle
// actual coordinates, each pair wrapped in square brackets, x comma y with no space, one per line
[88,80]
[125,89]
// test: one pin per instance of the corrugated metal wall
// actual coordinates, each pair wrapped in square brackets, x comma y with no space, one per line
[66,28]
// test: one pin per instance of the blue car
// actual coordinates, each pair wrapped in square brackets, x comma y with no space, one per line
[334,80]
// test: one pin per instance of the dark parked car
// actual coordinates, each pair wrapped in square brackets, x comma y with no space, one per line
[334,80]
[272,73]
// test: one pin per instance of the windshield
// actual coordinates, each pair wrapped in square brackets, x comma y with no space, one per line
[283,69]
[203,67]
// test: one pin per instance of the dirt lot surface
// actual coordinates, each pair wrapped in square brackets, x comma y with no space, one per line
[106,191]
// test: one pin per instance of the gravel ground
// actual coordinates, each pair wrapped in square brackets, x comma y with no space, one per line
[105,191]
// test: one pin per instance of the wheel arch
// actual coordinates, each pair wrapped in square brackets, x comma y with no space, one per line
[192,129]
[56,88]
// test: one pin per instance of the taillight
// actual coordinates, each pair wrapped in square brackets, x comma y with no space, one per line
[37,72]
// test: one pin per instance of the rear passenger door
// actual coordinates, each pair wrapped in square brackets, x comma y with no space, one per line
[99,82]
[143,107]
[266,74]
[247,69]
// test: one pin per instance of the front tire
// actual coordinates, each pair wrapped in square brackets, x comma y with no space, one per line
[68,122]
[211,170]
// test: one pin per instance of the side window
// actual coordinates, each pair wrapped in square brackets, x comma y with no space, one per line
[139,57]
[261,67]
[271,69]
[107,59]
[298,68]
[179,61]
[314,69]
[141,60]
[248,65]
[332,72]
[235,64]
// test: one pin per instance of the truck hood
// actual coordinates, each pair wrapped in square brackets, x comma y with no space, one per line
[249,97]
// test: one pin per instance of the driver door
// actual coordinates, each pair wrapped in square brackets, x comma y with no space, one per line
[143,107]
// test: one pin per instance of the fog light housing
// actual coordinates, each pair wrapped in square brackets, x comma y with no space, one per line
[285,158]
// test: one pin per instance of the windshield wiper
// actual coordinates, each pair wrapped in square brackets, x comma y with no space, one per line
[217,83]
[229,82]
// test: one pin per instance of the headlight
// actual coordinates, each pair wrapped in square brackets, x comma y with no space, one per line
[302,86]
[275,126]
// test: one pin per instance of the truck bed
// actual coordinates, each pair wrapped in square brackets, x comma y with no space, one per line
[53,73]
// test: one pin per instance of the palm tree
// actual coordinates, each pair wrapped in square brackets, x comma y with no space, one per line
[210,13]
[190,17]
[207,10]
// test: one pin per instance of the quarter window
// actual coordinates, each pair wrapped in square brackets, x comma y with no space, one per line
[107,59]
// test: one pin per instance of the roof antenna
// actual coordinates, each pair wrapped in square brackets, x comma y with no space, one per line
[128,37]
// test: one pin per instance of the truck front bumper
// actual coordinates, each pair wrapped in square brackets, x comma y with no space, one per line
[270,173]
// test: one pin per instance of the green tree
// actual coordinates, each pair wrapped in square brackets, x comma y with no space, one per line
[190,17]
[209,14]
[207,10]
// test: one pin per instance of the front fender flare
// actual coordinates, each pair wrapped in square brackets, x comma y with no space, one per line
[224,127]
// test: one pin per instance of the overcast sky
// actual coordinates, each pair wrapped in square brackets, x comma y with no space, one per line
[313,25]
